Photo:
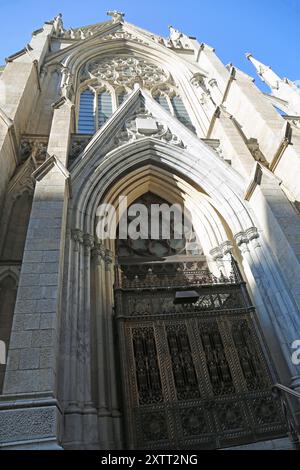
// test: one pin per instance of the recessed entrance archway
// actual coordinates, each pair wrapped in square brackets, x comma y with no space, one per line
[174,175]
[193,371]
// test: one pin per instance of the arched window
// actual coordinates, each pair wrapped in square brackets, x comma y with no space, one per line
[8,293]
[162,100]
[86,121]
[181,113]
[87,124]
[104,107]
[174,105]
[121,97]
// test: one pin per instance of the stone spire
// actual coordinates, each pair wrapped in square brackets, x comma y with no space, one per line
[283,89]
[265,72]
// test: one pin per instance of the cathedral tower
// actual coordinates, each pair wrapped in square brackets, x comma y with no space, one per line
[146,343]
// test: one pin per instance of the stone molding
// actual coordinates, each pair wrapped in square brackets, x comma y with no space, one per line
[255,181]
[243,239]
[222,250]
[92,247]
[44,169]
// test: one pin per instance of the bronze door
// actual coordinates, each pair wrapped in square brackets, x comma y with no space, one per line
[194,376]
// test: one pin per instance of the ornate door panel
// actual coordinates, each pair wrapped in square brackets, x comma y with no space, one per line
[194,376]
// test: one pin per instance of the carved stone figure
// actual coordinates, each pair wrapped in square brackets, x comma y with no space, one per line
[116,16]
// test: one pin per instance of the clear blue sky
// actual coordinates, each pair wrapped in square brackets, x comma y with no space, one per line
[267,28]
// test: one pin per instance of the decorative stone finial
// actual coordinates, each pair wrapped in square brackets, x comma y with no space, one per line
[58,24]
[175,34]
[116,16]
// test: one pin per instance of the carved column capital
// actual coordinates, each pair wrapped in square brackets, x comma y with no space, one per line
[226,247]
[77,236]
[243,239]
[253,236]
[109,258]
[222,250]
[99,253]
[88,243]
[216,253]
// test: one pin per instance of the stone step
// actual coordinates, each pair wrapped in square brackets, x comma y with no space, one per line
[274,444]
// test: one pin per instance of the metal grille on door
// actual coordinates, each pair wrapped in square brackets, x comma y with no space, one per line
[194,376]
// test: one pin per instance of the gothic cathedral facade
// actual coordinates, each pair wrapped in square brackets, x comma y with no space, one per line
[146,344]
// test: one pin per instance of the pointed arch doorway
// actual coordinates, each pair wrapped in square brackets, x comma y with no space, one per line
[194,375]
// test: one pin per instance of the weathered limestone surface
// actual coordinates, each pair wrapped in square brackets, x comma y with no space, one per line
[237,174]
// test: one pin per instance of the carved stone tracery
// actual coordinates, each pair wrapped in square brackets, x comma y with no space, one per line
[125,70]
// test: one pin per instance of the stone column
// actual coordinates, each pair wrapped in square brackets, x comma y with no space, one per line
[104,413]
[111,346]
[31,386]
[73,427]
[90,432]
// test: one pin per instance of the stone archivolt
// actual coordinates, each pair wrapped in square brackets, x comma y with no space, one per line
[67,276]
